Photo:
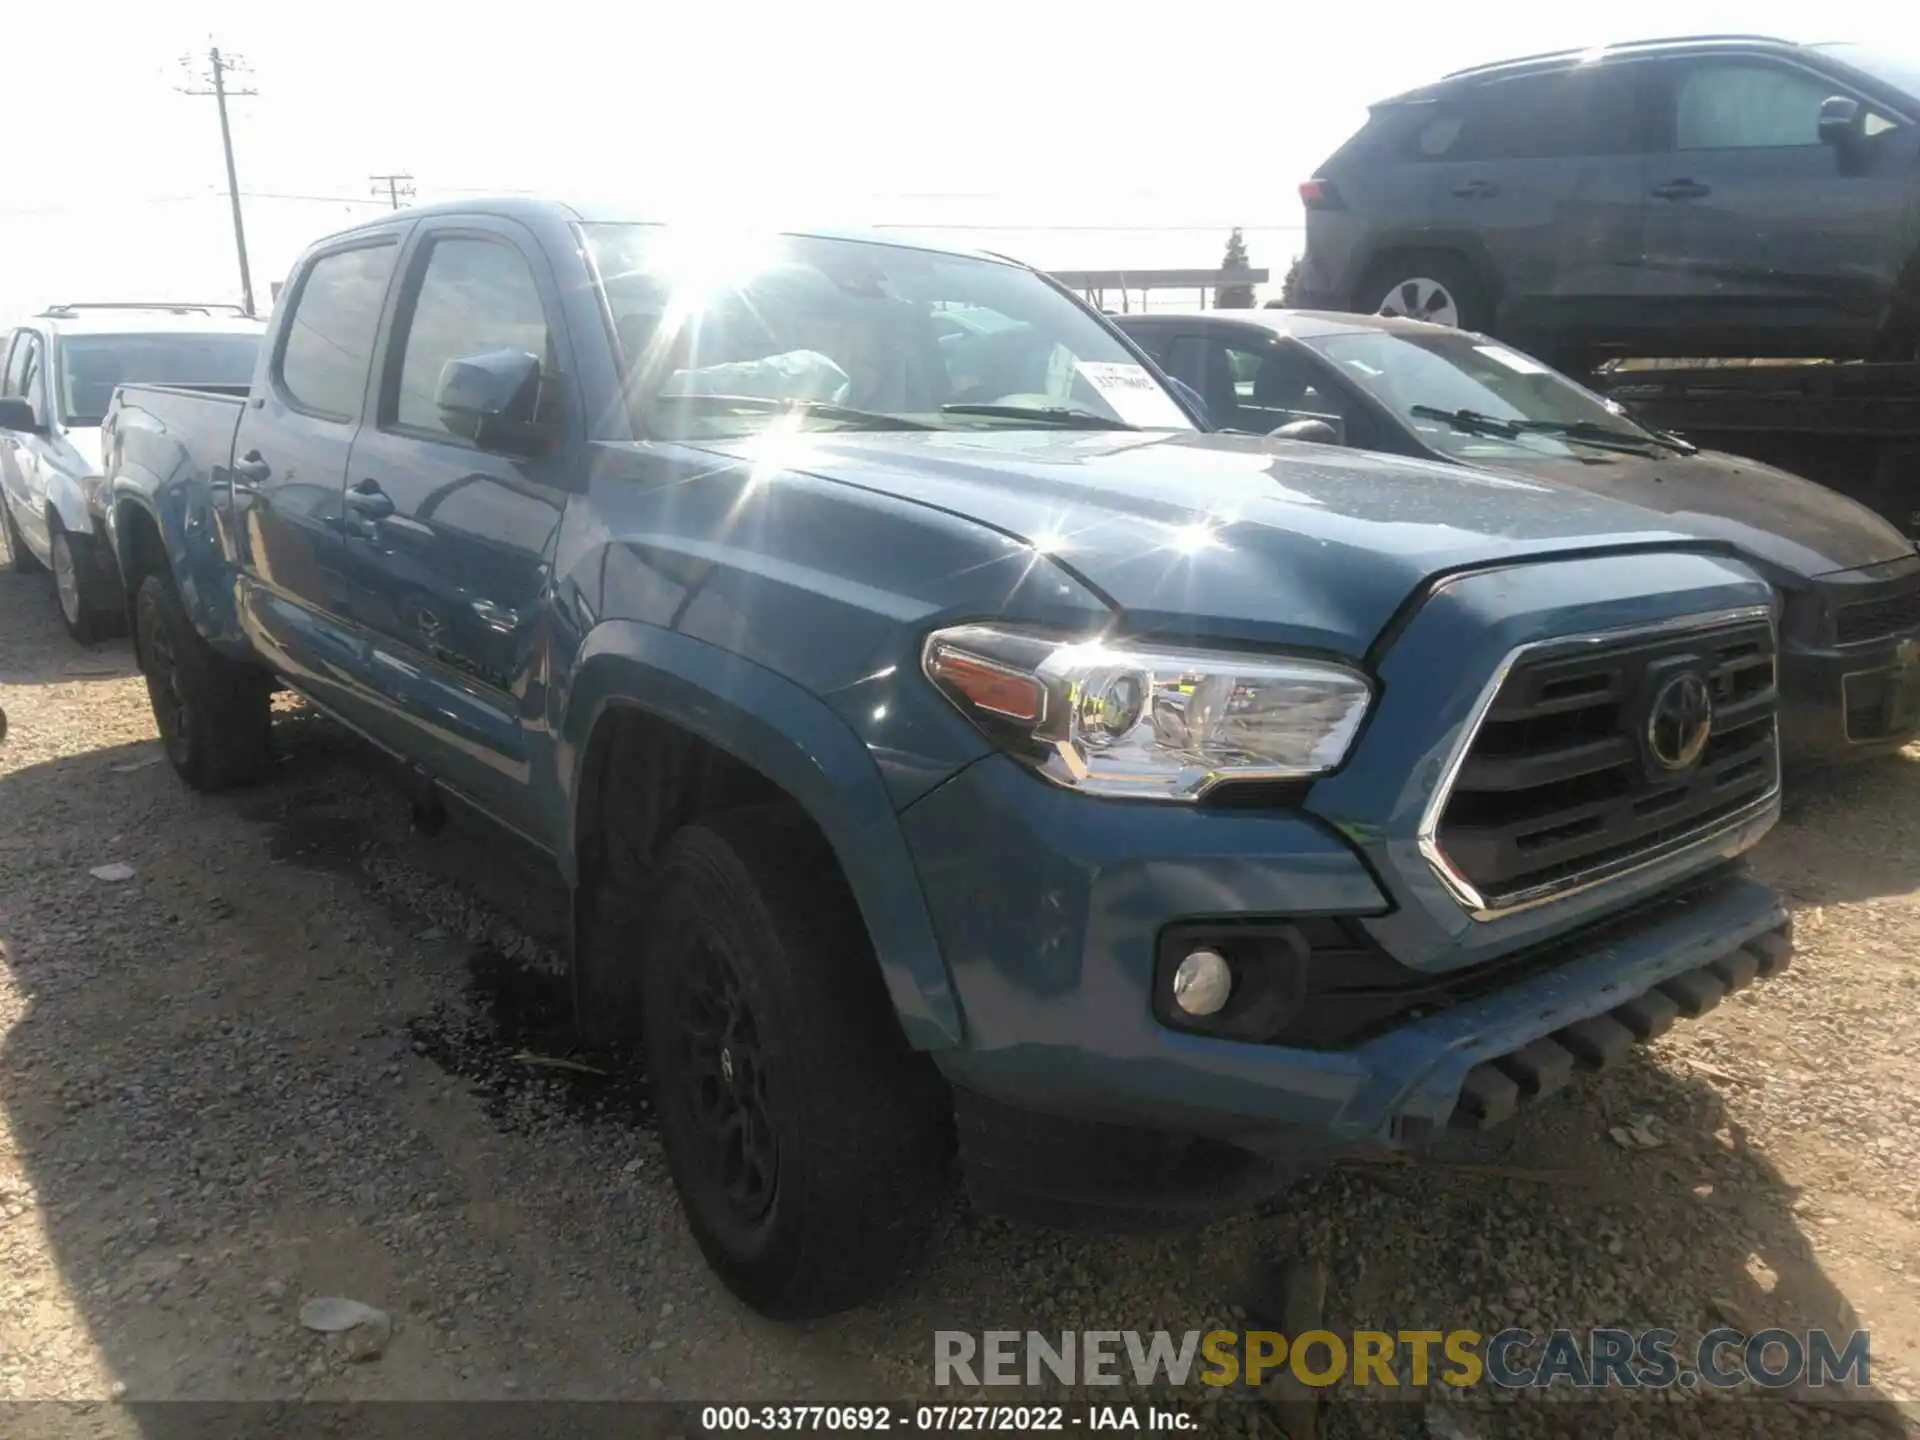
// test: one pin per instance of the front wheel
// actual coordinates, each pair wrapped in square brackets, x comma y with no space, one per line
[808,1142]
[75,563]
[215,717]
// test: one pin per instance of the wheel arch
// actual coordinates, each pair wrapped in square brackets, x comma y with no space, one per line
[144,541]
[1463,245]
[768,739]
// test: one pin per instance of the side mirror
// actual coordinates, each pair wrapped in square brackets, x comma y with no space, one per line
[1314,432]
[17,414]
[1842,121]
[490,400]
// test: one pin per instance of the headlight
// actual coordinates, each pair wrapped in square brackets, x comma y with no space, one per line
[94,488]
[1147,721]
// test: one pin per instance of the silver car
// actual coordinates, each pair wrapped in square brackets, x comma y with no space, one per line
[60,370]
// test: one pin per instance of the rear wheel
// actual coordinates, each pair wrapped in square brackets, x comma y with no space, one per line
[1434,286]
[75,566]
[808,1142]
[17,552]
[215,717]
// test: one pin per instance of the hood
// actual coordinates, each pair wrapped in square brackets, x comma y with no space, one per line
[1769,514]
[1261,538]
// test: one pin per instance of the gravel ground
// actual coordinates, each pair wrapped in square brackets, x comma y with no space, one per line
[297,1054]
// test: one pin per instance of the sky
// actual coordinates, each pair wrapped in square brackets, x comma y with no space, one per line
[1072,135]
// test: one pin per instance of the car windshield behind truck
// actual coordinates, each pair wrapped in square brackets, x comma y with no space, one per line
[1502,402]
[720,339]
[93,366]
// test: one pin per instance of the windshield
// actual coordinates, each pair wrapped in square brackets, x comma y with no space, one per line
[1454,371]
[721,338]
[92,365]
[1900,71]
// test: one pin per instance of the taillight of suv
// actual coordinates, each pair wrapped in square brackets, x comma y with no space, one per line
[1319,194]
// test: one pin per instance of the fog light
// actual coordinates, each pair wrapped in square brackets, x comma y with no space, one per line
[1202,983]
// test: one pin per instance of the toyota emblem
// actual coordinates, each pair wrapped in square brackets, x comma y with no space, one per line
[1680,721]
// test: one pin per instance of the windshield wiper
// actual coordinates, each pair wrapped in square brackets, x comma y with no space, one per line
[826,410]
[1584,432]
[1052,414]
[1594,430]
[1471,421]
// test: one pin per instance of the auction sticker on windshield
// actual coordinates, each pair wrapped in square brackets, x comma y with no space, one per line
[1136,397]
[1512,359]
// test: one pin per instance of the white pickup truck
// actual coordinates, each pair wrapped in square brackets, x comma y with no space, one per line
[59,373]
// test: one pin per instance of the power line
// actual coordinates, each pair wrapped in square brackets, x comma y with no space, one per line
[218,68]
[396,186]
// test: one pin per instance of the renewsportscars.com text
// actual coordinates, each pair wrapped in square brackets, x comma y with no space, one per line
[1511,1359]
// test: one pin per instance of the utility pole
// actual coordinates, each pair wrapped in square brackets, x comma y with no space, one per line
[218,68]
[397,187]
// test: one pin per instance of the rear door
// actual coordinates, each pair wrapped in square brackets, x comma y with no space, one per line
[1545,169]
[449,543]
[290,463]
[1758,227]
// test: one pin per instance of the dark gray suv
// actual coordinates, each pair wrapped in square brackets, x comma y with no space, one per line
[1715,195]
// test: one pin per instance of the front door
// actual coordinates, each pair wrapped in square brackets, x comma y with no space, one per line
[449,543]
[1758,230]
[21,462]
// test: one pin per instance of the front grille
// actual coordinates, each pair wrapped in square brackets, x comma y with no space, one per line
[1872,619]
[1560,783]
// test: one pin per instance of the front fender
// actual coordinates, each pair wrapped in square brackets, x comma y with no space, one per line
[68,502]
[793,739]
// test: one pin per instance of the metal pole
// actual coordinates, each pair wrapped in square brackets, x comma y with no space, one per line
[233,182]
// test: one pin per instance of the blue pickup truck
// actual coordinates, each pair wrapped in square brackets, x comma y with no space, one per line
[954,753]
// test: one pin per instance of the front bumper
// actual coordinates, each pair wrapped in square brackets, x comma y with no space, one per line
[1050,924]
[1839,704]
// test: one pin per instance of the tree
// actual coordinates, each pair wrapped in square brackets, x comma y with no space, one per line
[1237,296]
[1290,287]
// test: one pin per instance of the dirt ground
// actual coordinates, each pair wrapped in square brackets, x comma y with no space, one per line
[299,1052]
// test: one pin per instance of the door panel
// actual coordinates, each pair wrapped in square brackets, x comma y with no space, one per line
[1757,225]
[289,469]
[1545,170]
[23,466]
[448,542]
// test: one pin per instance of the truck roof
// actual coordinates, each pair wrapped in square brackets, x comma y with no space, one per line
[111,318]
[531,209]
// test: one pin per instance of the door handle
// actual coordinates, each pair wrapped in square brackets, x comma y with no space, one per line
[1682,190]
[1476,189]
[251,468]
[369,501]
[497,618]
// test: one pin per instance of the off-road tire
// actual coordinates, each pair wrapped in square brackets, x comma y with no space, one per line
[1473,309]
[18,554]
[215,716]
[858,1124]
